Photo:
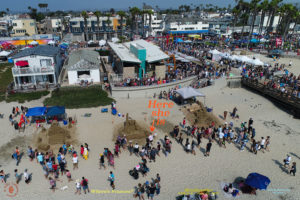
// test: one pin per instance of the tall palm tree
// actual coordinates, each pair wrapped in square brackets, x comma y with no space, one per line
[134,14]
[122,15]
[263,7]
[98,14]
[85,17]
[254,9]
[274,6]
[143,15]
[108,21]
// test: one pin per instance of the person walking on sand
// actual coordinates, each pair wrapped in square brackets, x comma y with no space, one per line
[293,169]
[27,177]
[267,143]
[183,122]
[262,144]
[208,147]
[287,161]
[52,184]
[233,112]
[102,164]
[17,176]
[112,179]
[75,161]
[85,185]
[225,114]
[78,187]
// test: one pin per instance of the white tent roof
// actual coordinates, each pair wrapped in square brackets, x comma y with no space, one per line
[215,51]
[189,92]
[257,62]
[51,42]
[114,39]
[33,42]
[4,53]
[102,42]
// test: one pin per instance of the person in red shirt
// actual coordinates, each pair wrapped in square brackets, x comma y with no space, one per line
[183,122]
[84,184]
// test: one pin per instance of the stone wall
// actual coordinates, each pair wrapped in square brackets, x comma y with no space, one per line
[148,91]
[160,71]
[129,72]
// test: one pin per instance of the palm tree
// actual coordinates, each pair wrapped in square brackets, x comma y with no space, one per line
[134,14]
[254,8]
[108,21]
[263,7]
[98,14]
[273,8]
[85,17]
[143,14]
[122,15]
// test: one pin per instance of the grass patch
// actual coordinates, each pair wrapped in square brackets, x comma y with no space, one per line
[5,78]
[22,97]
[77,97]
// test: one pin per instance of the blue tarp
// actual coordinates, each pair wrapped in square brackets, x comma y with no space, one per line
[36,111]
[257,181]
[55,110]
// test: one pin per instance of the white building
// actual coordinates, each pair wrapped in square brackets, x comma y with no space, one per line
[53,25]
[187,26]
[37,66]
[157,23]
[83,65]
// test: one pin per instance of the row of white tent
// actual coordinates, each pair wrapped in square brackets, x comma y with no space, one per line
[4,53]
[237,57]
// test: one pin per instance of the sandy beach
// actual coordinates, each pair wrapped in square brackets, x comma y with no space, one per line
[179,170]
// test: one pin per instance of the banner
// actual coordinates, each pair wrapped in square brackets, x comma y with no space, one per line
[278,42]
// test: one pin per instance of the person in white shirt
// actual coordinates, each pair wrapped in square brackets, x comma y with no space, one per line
[78,187]
[262,144]
[287,161]
[75,162]
[26,176]
[221,135]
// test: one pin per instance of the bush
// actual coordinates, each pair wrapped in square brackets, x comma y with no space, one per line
[77,97]
[22,97]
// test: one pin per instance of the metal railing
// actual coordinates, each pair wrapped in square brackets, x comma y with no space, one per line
[32,70]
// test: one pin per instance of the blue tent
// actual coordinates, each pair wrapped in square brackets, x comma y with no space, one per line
[55,111]
[253,40]
[179,40]
[36,111]
[257,181]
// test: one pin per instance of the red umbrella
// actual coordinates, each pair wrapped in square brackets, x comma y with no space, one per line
[22,63]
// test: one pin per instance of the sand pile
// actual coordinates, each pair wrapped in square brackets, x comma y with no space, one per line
[198,115]
[133,131]
[54,137]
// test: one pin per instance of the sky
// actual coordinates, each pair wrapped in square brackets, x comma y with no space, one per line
[53,5]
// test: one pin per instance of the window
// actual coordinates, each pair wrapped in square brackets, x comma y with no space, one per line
[45,62]
[79,73]
[15,24]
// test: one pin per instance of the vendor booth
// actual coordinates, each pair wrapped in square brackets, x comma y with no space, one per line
[43,114]
[187,95]
[56,113]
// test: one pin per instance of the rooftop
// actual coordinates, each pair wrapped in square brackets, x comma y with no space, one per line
[153,52]
[41,50]
[83,59]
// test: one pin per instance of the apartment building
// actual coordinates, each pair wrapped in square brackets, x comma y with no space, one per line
[22,27]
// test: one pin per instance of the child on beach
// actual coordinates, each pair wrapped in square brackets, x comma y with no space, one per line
[102,161]
[112,179]
[78,187]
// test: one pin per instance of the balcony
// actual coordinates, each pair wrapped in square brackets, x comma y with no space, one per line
[36,70]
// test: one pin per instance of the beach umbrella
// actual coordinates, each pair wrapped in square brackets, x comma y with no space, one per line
[257,181]
[253,40]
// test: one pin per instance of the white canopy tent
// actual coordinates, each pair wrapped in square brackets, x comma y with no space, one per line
[34,43]
[102,42]
[114,39]
[51,42]
[4,53]
[189,92]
